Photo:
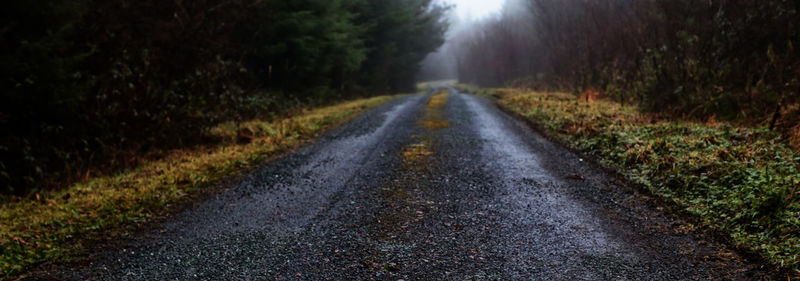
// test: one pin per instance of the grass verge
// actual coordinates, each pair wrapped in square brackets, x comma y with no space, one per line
[741,181]
[426,86]
[58,225]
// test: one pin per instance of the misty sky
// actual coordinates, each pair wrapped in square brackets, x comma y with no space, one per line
[441,64]
[476,8]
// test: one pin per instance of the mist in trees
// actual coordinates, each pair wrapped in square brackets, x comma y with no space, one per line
[722,60]
[92,85]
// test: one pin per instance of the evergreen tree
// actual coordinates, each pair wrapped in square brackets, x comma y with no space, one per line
[87,84]
[400,33]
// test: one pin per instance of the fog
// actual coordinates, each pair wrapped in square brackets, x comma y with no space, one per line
[467,19]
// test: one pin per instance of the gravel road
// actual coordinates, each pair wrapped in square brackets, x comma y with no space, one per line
[427,187]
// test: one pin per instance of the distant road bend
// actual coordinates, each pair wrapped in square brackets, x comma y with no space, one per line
[440,186]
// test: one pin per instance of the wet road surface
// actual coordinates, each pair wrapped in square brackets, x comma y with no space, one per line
[428,187]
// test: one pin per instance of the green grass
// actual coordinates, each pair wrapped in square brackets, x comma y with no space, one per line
[58,225]
[741,181]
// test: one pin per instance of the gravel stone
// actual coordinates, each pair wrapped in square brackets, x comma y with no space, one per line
[494,200]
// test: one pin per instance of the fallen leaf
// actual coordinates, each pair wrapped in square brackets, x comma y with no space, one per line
[574,176]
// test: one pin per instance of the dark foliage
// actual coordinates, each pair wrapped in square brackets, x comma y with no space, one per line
[393,60]
[728,60]
[94,85]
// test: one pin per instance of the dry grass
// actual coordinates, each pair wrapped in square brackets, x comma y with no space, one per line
[426,86]
[57,225]
[432,114]
[742,181]
[416,151]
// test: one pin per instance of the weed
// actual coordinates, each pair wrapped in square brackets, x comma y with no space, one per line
[742,181]
[58,225]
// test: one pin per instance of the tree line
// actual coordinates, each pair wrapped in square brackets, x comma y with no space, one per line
[90,85]
[719,59]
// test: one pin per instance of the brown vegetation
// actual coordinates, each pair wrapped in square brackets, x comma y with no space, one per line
[727,60]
